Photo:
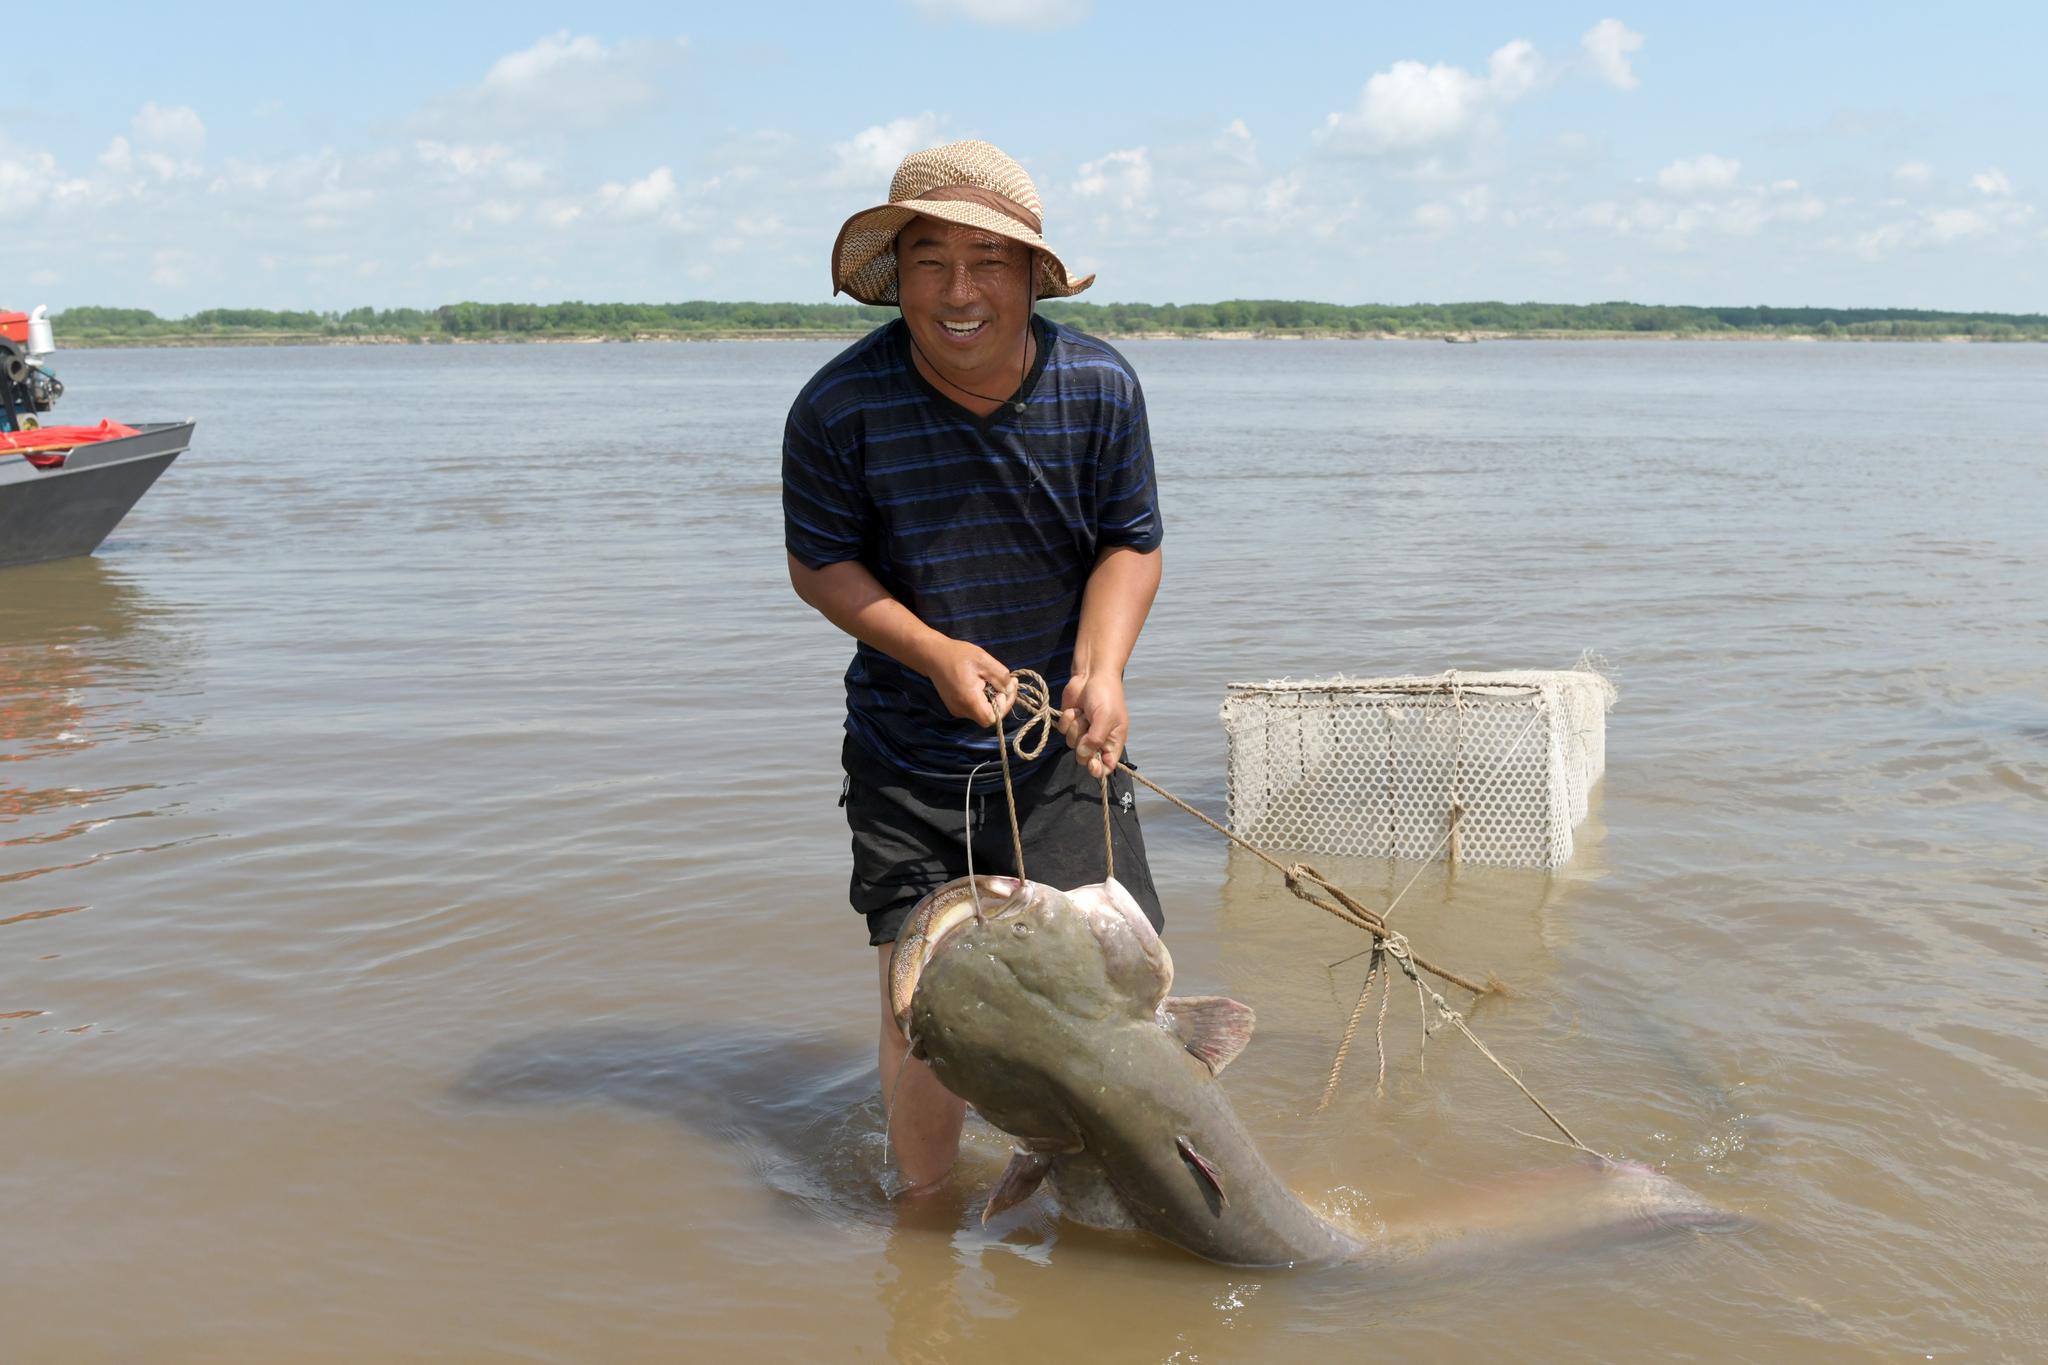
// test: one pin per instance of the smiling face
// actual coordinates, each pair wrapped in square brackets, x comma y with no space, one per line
[966,296]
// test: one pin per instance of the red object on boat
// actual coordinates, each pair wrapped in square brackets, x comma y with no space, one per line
[45,446]
[14,328]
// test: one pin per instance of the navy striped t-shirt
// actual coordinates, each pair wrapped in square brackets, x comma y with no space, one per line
[985,528]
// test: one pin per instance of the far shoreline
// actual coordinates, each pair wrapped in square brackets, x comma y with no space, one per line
[201,340]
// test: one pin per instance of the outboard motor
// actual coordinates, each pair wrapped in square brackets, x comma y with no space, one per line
[26,386]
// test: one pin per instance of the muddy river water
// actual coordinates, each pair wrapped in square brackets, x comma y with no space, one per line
[422,919]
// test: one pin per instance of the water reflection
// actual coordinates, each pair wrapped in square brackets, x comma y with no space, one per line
[85,655]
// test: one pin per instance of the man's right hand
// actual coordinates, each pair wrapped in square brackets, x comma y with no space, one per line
[963,673]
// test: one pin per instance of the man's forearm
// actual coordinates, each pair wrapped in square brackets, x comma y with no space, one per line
[1113,609]
[849,596]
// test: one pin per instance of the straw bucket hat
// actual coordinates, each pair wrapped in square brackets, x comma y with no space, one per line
[971,183]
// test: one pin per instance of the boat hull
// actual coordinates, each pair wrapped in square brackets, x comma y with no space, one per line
[59,513]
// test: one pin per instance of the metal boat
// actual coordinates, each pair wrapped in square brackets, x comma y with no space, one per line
[59,498]
[69,509]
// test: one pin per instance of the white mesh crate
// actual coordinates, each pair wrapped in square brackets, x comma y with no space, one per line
[1373,767]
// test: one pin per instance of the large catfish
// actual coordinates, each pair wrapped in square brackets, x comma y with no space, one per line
[1049,1012]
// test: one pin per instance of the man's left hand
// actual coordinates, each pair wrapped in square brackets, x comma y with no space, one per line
[1094,720]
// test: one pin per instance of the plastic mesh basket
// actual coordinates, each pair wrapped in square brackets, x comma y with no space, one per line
[1373,767]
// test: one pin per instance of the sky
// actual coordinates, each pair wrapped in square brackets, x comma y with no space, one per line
[195,156]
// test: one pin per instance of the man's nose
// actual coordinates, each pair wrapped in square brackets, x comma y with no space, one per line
[960,285]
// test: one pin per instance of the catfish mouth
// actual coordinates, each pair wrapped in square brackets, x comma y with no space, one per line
[933,920]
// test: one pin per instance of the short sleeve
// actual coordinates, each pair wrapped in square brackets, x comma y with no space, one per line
[1126,494]
[824,510]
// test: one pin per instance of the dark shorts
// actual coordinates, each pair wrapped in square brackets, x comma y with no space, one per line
[907,835]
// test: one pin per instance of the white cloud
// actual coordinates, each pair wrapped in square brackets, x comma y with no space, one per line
[165,141]
[1610,43]
[1682,227]
[1469,206]
[1435,216]
[1410,105]
[460,160]
[1039,14]
[529,72]
[27,181]
[1122,179]
[1699,175]
[575,81]
[520,173]
[500,211]
[748,230]
[872,155]
[1280,198]
[1235,144]
[1992,182]
[169,167]
[1913,175]
[1946,225]
[175,127]
[317,191]
[1934,227]
[1513,70]
[650,194]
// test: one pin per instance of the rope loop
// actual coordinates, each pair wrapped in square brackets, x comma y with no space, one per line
[1035,698]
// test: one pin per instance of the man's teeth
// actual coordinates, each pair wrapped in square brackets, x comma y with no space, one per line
[961,328]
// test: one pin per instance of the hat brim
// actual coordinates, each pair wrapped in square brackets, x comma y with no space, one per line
[864,255]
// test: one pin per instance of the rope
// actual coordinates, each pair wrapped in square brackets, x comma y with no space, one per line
[1376,971]
[1379,1032]
[1397,948]
[1036,698]
[967,838]
[1032,694]
[1010,791]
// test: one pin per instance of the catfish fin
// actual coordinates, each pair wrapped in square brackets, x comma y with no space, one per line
[1214,1028]
[1205,1172]
[1019,1179]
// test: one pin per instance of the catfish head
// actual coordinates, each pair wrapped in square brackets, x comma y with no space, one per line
[1088,953]
[1048,1011]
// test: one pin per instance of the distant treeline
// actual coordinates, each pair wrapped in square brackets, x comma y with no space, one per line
[539,321]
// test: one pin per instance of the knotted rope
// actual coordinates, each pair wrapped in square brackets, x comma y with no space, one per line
[1036,699]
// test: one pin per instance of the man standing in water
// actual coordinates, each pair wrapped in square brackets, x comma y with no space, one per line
[968,491]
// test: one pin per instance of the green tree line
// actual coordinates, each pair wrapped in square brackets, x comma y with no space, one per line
[517,321]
